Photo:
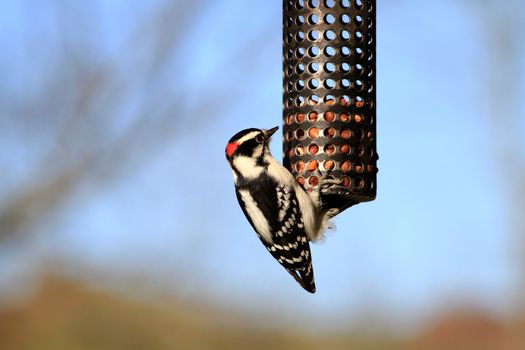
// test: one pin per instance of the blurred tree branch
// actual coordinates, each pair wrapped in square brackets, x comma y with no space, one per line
[106,114]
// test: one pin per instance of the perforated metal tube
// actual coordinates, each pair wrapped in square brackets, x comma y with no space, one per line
[329,98]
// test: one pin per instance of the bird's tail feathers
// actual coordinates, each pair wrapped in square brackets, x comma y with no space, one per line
[305,277]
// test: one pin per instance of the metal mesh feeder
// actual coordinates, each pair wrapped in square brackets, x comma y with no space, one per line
[329,109]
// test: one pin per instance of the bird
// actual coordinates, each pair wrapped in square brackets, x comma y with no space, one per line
[284,216]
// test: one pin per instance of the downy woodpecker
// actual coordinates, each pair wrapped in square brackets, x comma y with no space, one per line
[280,211]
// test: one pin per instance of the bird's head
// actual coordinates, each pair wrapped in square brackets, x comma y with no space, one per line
[251,143]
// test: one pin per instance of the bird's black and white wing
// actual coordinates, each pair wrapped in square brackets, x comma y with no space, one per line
[276,218]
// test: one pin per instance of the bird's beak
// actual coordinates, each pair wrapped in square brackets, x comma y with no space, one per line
[270,132]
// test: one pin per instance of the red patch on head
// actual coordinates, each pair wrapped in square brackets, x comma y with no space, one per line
[230,148]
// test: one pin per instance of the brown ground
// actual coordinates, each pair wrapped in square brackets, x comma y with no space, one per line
[65,315]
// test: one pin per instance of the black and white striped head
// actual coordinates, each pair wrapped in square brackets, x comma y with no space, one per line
[249,143]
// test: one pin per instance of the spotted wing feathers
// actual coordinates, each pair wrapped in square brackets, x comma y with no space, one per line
[278,213]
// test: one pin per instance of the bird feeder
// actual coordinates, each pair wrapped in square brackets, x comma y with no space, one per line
[329,98]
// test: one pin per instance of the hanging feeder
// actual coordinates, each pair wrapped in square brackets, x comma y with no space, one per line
[329,98]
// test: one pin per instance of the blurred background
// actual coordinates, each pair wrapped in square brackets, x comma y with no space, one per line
[119,227]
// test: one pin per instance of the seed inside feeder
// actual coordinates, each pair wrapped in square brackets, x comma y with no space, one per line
[300,117]
[345,149]
[345,181]
[345,166]
[312,116]
[329,116]
[300,166]
[328,165]
[300,180]
[345,133]
[344,117]
[313,148]
[358,118]
[313,165]
[313,132]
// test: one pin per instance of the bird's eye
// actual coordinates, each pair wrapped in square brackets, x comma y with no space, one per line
[259,138]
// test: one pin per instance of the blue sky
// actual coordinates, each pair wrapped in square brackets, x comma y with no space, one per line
[439,230]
